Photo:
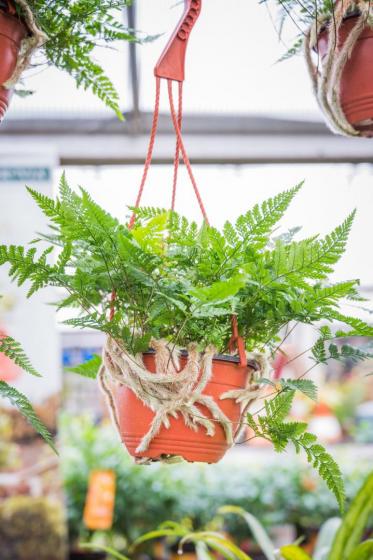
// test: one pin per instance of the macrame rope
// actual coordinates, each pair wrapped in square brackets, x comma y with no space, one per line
[170,392]
[29,44]
[326,79]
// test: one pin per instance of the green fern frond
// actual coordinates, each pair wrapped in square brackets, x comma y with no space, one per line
[24,406]
[13,350]
[359,327]
[311,258]
[279,407]
[256,225]
[88,369]
[273,427]
[305,386]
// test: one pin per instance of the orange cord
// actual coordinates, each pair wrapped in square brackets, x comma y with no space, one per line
[177,151]
[183,151]
[149,154]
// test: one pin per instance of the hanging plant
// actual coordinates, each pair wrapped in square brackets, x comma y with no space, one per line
[65,35]
[337,40]
[176,287]
[193,315]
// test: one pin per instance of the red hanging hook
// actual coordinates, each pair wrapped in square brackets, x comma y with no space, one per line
[171,64]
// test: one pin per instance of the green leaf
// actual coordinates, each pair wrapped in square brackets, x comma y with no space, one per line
[24,406]
[364,551]
[256,528]
[219,291]
[13,350]
[293,552]
[305,386]
[217,542]
[354,522]
[87,369]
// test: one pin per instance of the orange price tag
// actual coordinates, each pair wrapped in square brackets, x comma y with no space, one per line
[99,505]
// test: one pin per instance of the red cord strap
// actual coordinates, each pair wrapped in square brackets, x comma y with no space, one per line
[177,120]
[149,154]
[236,341]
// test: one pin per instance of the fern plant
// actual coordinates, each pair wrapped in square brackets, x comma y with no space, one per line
[74,30]
[13,350]
[180,281]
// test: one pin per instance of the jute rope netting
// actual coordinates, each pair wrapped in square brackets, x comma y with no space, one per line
[171,391]
[34,40]
[326,76]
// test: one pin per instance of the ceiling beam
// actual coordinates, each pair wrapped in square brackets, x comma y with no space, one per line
[111,149]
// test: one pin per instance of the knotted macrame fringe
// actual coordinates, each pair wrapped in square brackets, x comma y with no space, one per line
[170,391]
[326,77]
[28,45]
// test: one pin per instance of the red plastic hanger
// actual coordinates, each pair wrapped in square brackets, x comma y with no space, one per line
[171,64]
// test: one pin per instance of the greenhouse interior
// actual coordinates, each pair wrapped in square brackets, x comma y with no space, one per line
[186,188]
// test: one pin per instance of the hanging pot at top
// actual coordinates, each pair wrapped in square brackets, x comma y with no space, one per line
[12,31]
[356,84]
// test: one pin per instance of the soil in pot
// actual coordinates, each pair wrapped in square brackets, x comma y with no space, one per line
[180,440]
[12,31]
[356,84]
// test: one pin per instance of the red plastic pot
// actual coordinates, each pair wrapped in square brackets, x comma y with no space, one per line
[12,31]
[357,76]
[135,417]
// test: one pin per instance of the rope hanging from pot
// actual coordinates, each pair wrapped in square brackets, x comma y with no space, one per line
[326,77]
[34,40]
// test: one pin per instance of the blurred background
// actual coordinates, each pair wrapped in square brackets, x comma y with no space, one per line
[252,129]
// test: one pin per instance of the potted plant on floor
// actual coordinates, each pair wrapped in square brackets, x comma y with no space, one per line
[65,35]
[339,539]
[337,41]
[168,285]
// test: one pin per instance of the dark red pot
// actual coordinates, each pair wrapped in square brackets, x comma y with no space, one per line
[357,76]
[12,31]
[135,418]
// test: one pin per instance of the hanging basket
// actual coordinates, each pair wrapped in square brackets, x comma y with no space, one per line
[179,439]
[342,75]
[12,32]
[168,404]
[19,38]
[356,82]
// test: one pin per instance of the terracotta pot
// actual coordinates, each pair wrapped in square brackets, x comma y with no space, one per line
[12,31]
[135,417]
[357,76]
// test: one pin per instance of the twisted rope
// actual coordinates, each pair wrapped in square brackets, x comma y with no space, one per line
[170,392]
[29,44]
[326,80]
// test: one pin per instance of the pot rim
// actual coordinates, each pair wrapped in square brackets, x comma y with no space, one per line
[355,14]
[232,359]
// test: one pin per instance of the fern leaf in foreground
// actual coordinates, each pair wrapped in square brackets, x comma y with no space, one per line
[13,350]
[24,406]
